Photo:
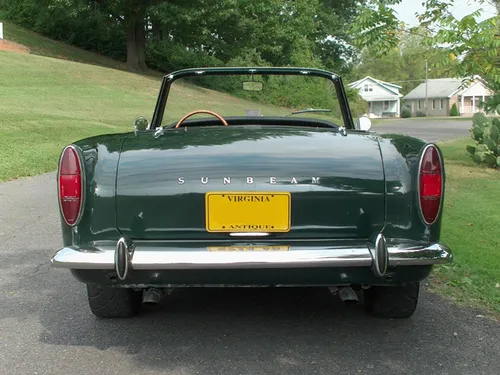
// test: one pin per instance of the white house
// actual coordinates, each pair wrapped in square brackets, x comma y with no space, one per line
[470,97]
[383,97]
[442,93]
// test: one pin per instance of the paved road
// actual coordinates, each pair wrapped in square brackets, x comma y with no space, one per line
[428,129]
[46,327]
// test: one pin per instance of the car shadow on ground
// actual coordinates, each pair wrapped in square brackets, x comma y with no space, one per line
[282,330]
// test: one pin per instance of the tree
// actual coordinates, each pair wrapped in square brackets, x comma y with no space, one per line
[404,64]
[474,44]
[281,32]
[131,14]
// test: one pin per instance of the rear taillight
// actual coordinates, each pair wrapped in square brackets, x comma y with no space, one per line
[70,185]
[430,187]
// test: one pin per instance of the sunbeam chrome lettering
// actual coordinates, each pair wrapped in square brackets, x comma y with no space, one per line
[251,180]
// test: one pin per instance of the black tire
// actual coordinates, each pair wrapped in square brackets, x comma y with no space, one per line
[106,302]
[392,301]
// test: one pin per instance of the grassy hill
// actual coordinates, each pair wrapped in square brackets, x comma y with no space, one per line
[47,103]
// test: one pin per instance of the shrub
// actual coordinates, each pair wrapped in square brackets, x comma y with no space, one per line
[486,133]
[166,56]
[357,104]
[454,110]
[405,113]
[420,114]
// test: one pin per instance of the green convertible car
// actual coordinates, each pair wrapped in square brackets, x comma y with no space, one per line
[273,185]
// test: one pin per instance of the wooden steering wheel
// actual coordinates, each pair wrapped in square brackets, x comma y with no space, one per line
[201,111]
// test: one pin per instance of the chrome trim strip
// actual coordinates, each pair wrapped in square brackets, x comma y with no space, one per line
[147,258]
[414,256]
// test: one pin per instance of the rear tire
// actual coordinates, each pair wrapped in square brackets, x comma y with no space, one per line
[106,302]
[392,301]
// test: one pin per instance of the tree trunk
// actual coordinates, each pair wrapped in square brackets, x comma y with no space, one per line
[140,41]
[136,39]
[156,27]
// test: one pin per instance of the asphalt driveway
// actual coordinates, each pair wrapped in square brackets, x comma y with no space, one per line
[429,129]
[46,327]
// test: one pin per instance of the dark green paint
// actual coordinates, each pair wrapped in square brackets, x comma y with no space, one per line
[348,201]
[314,152]
[99,216]
[401,155]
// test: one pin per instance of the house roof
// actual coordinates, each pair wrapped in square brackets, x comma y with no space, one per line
[436,88]
[478,87]
[386,85]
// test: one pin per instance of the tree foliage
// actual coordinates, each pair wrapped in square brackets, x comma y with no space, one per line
[486,133]
[170,34]
[279,32]
[473,44]
[77,22]
[404,64]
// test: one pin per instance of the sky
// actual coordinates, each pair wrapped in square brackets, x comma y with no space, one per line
[407,8]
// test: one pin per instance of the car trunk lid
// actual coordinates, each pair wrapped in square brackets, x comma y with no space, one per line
[335,183]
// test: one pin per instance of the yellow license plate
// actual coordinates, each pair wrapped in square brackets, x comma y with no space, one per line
[248,248]
[247,212]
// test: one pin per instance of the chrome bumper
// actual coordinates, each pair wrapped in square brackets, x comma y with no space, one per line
[148,256]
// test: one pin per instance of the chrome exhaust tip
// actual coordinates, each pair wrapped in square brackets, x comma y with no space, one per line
[152,296]
[347,294]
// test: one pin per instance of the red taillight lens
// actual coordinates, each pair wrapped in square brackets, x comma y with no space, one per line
[430,184]
[70,185]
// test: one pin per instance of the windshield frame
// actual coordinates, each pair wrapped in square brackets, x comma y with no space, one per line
[170,78]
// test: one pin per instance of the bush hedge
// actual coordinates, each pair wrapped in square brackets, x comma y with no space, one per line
[405,113]
[486,132]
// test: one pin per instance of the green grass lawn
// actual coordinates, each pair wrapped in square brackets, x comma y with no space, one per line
[47,103]
[471,227]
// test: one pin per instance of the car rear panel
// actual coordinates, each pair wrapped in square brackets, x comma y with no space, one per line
[336,183]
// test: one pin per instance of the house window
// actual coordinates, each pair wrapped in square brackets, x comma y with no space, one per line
[368,88]
[386,105]
[419,104]
[433,104]
[441,105]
